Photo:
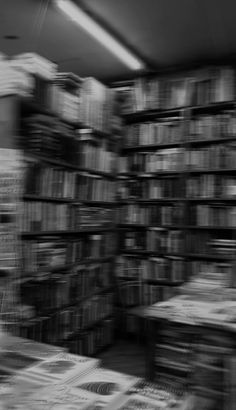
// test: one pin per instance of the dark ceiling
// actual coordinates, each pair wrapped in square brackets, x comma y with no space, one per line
[163,32]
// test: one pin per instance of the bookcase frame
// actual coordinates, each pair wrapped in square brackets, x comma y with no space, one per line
[11,109]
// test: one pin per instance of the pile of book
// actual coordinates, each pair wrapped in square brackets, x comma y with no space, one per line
[34,64]
[64,104]
[14,81]
[40,136]
[96,102]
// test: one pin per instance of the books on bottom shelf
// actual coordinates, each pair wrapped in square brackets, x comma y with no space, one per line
[109,386]
[59,369]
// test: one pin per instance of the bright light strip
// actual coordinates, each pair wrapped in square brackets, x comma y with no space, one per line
[94,29]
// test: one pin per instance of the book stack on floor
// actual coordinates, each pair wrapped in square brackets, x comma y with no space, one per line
[44,376]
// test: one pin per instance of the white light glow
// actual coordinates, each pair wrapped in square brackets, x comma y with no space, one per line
[94,29]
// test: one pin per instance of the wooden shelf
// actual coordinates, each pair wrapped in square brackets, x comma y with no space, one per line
[150,201]
[157,174]
[211,199]
[152,147]
[204,141]
[33,197]
[63,164]
[146,226]
[151,254]
[211,171]
[67,232]
[152,114]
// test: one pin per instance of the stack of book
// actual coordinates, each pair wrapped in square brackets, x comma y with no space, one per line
[34,64]
[40,137]
[94,104]
[14,81]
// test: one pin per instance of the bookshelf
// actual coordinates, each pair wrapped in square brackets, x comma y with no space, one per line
[66,130]
[177,228]
[176,182]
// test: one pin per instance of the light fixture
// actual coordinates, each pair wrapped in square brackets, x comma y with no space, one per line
[100,34]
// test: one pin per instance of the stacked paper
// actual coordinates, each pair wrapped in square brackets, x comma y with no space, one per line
[54,397]
[108,385]
[62,368]
[34,64]
[13,81]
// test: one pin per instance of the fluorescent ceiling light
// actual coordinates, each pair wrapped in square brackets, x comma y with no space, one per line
[100,34]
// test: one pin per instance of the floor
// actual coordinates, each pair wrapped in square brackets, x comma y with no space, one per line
[126,357]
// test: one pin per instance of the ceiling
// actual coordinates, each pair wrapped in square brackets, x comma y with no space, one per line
[163,32]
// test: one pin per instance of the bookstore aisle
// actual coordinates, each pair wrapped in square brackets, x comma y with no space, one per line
[118,246]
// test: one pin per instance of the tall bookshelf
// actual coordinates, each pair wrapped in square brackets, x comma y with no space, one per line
[66,131]
[176,184]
